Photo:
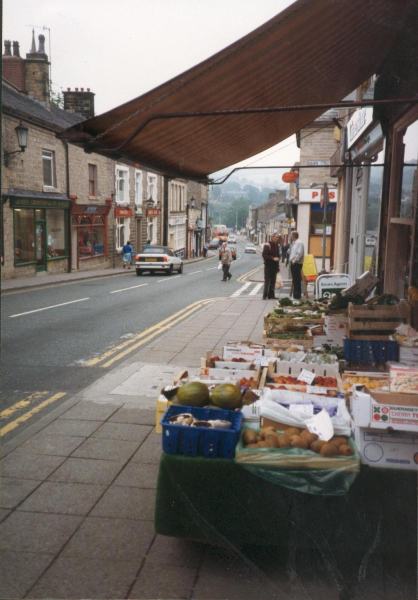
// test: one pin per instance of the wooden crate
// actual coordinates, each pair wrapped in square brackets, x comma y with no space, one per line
[366,318]
[291,320]
[306,343]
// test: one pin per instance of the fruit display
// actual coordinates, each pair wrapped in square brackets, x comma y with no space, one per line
[372,383]
[328,382]
[234,360]
[245,382]
[227,396]
[292,437]
[193,393]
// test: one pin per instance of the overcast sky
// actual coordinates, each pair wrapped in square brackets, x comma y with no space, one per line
[120,50]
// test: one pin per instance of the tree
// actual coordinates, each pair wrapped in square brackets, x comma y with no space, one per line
[56,99]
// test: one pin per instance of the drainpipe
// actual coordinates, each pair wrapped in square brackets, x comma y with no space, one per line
[67,175]
[165,220]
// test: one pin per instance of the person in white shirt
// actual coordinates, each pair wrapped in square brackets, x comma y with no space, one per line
[297,255]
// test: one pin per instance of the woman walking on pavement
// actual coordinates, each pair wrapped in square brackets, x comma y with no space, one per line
[226,260]
[128,253]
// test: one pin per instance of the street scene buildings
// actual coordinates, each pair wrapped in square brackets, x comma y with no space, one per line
[210,371]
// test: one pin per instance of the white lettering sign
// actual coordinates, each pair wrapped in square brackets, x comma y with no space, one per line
[314,195]
[357,124]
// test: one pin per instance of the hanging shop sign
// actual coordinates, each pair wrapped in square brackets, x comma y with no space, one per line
[153,212]
[314,195]
[365,144]
[358,123]
[123,212]
[39,203]
[290,177]
[328,286]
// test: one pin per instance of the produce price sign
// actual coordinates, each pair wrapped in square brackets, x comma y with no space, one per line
[306,376]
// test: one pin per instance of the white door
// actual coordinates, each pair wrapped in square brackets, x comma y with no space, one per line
[358,221]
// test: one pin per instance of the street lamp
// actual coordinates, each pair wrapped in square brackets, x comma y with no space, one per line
[22,140]
[324,201]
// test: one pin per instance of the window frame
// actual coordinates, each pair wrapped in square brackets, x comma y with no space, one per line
[138,187]
[51,160]
[122,169]
[152,180]
[91,225]
[93,180]
[127,223]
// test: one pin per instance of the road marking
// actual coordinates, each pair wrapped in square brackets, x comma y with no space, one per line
[256,289]
[246,275]
[157,332]
[129,288]
[158,326]
[47,308]
[21,404]
[211,269]
[241,289]
[10,426]
[194,272]
[169,279]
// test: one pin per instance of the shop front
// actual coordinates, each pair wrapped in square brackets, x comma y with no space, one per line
[89,235]
[177,235]
[40,241]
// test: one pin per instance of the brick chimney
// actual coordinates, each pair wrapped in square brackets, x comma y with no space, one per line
[13,66]
[79,101]
[37,71]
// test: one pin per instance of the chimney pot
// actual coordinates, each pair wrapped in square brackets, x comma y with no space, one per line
[68,89]
[76,89]
[82,89]
[41,47]
[7,47]
[88,89]
[16,49]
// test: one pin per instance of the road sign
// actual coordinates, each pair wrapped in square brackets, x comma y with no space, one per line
[328,286]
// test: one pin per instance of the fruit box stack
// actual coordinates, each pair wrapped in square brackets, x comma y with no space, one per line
[385,427]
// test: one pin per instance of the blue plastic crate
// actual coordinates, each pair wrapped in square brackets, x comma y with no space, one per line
[370,350]
[201,441]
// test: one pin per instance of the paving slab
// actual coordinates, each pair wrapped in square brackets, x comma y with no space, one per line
[19,571]
[134,416]
[4,512]
[126,503]
[14,491]
[86,578]
[175,552]
[35,532]
[167,582]
[84,470]
[111,539]
[71,427]
[55,445]
[138,475]
[127,432]
[106,449]
[24,465]
[63,498]
[90,411]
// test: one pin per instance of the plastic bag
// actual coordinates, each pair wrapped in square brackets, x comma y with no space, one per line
[279,282]
[219,266]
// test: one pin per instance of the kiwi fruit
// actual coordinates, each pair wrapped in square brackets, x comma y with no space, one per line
[338,440]
[328,450]
[291,431]
[266,430]
[251,446]
[272,441]
[263,445]
[284,441]
[317,445]
[249,437]
[259,438]
[346,450]
[298,442]
[309,437]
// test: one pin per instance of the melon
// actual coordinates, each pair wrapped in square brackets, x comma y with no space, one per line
[227,396]
[194,393]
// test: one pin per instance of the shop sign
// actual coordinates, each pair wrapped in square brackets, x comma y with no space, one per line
[357,124]
[39,203]
[366,142]
[314,195]
[290,177]
[153,212]
[318,163]
[177,221]
[328,286]
[123,212]
[91,209]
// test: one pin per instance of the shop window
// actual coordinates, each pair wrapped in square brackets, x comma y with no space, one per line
[138,188]
[122,232]
[48,167]
[122,185]
[92,180]
[90,236]
[408,171]
[317,220]
[55,229]
[24,236]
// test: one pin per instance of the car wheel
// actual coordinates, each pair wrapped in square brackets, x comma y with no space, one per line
[138,272]
[181,268]
[170,270]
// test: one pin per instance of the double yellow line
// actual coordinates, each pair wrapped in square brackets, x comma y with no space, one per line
[247,275]
[111,356]
[28,415]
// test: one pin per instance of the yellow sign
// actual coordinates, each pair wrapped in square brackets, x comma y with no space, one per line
[309,267]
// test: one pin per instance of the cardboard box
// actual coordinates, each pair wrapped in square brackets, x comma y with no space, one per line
[403,378]
[335,328]
[408,356]
[385,428]
[363,286]
[245,350]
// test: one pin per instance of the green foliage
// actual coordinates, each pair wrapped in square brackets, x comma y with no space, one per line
[56,99]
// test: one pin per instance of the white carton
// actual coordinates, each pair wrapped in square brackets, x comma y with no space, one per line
[363,286]
[385,428]
[408,356]
[242,350]
[335,328]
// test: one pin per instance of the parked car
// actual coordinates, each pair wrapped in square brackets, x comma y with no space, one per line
[233,252]
[250,248]
[214,243]
[158,258]
[232,239]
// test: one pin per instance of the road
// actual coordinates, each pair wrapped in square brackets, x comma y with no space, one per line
[57,340]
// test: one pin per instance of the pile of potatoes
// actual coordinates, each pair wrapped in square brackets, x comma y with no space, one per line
[297,438]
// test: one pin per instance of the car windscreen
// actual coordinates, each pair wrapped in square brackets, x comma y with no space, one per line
[154,250]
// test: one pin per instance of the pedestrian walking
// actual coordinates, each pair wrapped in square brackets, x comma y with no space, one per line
[226,260]
[148,244]
[297,255]
[271,266]
[205,250]
[128,254]
[285,248]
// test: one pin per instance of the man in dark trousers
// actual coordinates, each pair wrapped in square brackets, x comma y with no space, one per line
[271,266]
[297,255]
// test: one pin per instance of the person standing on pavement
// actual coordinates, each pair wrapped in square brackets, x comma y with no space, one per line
[226,260]
[297,254]
[148,244]
[128,253]
[271,266]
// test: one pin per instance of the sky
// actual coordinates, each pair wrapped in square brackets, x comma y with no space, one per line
[120,50]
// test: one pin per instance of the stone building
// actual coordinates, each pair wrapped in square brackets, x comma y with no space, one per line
[260,216]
